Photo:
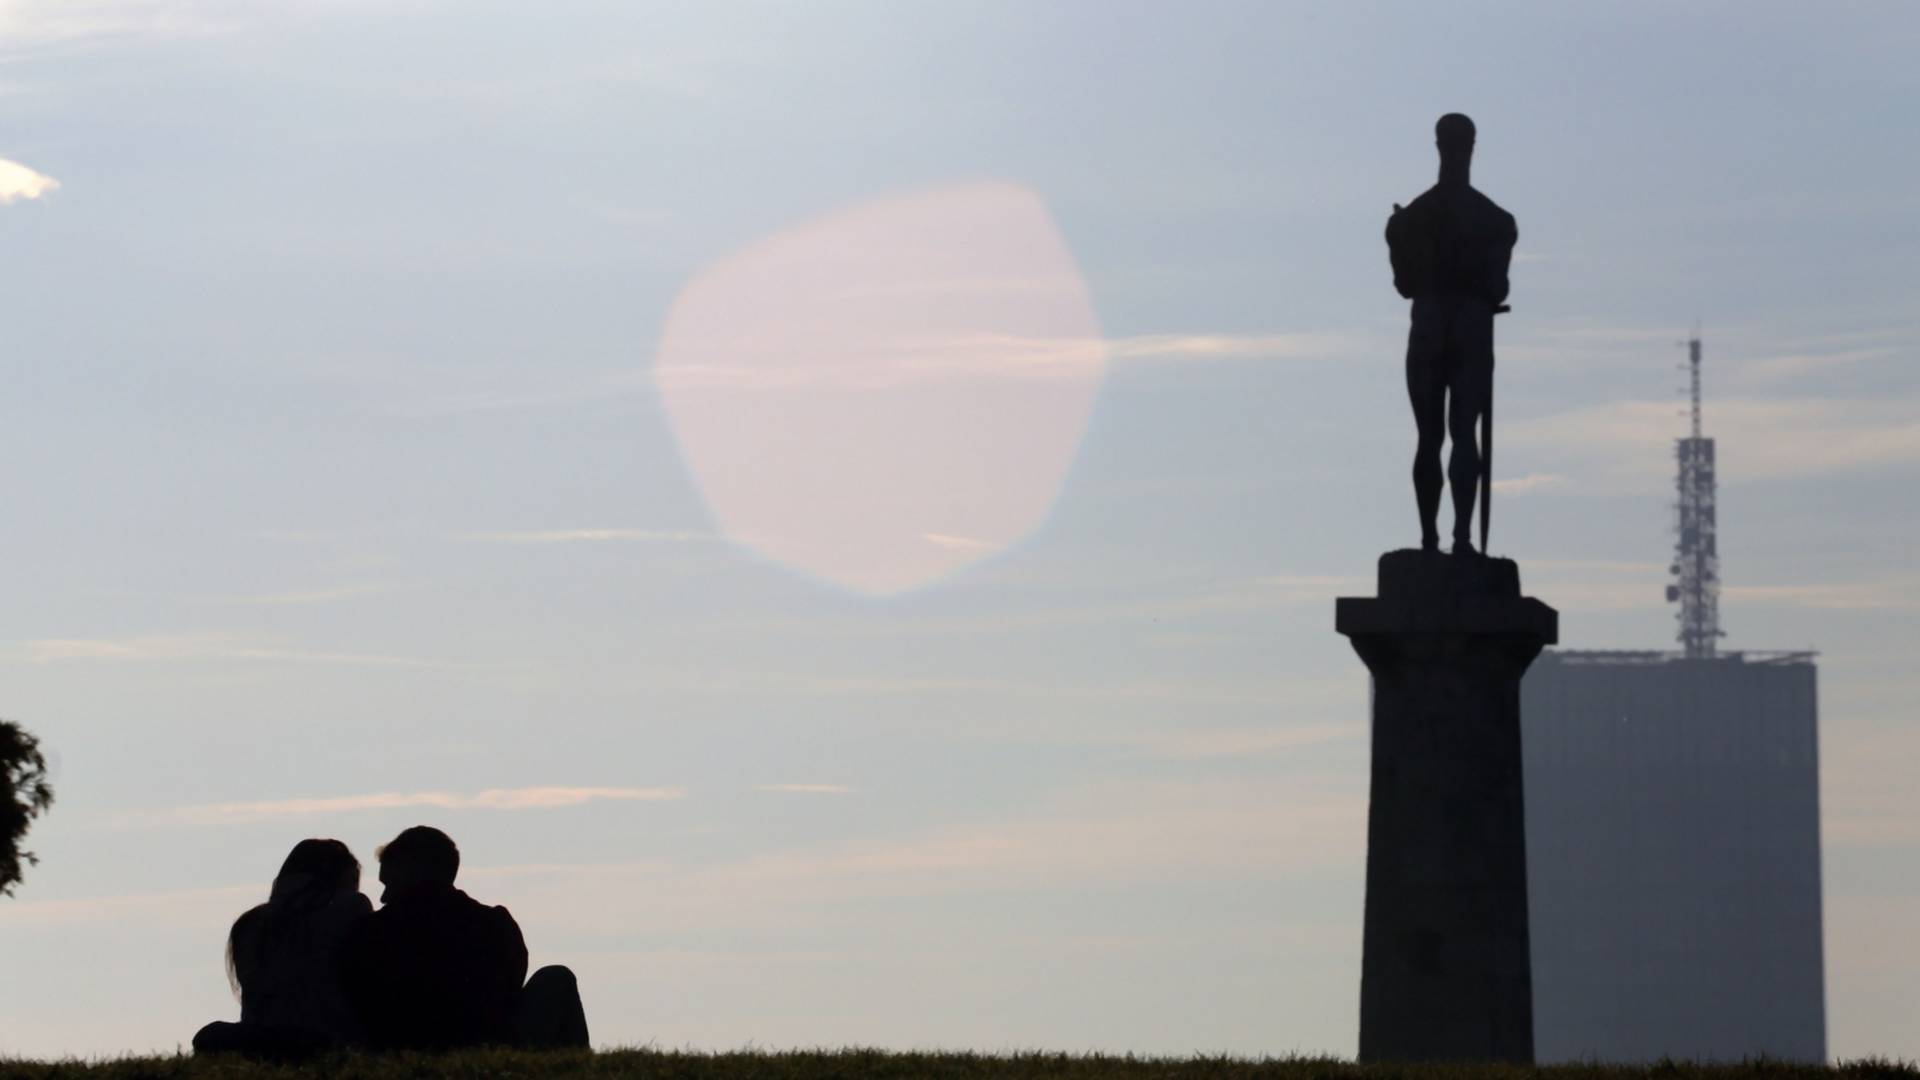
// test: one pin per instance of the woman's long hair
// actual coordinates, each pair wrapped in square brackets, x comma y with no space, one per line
[314,871]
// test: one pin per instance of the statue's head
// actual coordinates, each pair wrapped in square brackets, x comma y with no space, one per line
[1454,135]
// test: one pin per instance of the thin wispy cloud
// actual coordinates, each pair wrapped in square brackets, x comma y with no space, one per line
[892,361]
[1861,596]
[1297,590]
[1598,586]
[1581,347]
[1819,364]
[1611,566]
[527,798]
[1597,596]
[1293,346]
[880,363]
[1308,582]
[651,217]
[297,599]
[1530,484]
[806,789]
[514,394]
[1741,360]
[189,910]
[296,536]
[1186,692]
[1111,834]
[1193,602]
[26,25]
[962,543]
[1242,742]
[977,283]
[1874,808]
[1628,444]
[18,182]
[194,648]
[1761,357]
[588,536]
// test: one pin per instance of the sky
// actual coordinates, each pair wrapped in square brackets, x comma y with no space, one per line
[837,507]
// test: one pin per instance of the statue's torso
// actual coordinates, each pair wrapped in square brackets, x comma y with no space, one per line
[1452,241]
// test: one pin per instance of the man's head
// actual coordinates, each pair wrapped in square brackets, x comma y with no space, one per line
[1454,134]
[422,855]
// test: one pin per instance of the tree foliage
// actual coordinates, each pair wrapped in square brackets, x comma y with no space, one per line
[24,795]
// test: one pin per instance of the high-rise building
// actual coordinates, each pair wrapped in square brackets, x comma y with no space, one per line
[1673,832]
[1673,856]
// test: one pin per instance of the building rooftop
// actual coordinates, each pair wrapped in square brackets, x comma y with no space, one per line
[1669,656]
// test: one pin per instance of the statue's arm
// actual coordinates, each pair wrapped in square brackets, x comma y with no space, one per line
[1398,224]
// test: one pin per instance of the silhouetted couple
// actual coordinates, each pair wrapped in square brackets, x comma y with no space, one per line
[316,967]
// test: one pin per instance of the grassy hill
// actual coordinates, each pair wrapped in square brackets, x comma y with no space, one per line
[880,1065]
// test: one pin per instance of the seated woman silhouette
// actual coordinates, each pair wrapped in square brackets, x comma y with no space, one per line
[284,959]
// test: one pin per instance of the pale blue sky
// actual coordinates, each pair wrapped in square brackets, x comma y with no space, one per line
[336,467]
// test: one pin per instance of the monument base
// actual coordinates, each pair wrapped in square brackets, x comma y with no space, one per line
[1445,969]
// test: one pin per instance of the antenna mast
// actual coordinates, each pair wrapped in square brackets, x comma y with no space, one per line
[1696,558]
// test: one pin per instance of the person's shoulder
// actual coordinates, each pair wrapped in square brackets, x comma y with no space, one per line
[503,918]
[1485,204]
[367,930]
[1416,215]
[345,911]
[480,909]
[250,920]
[502,927]
[1420,206]
[246,933]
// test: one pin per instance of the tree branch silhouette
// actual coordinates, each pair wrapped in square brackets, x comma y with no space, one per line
[24,795]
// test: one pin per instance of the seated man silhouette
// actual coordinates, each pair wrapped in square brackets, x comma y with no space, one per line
[435,969]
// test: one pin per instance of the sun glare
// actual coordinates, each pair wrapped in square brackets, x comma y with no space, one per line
[884,395]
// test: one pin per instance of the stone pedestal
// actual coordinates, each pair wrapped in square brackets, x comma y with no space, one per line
[1445,971]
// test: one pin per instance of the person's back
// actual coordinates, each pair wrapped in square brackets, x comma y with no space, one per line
[1452,241]
[434,968]
[285,957]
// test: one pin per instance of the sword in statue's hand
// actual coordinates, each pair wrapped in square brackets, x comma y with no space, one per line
[1486,455]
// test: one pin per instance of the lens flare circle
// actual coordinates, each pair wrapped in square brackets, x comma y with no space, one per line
[884,395]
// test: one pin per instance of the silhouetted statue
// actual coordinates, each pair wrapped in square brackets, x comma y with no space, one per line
[284,959]
[1450,249]
[435,969]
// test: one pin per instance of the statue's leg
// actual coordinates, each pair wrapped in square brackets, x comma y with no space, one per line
[1472,344]
[1427,390]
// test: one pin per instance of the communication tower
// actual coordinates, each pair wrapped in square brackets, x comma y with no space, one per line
[1696,556]
[1673,831]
